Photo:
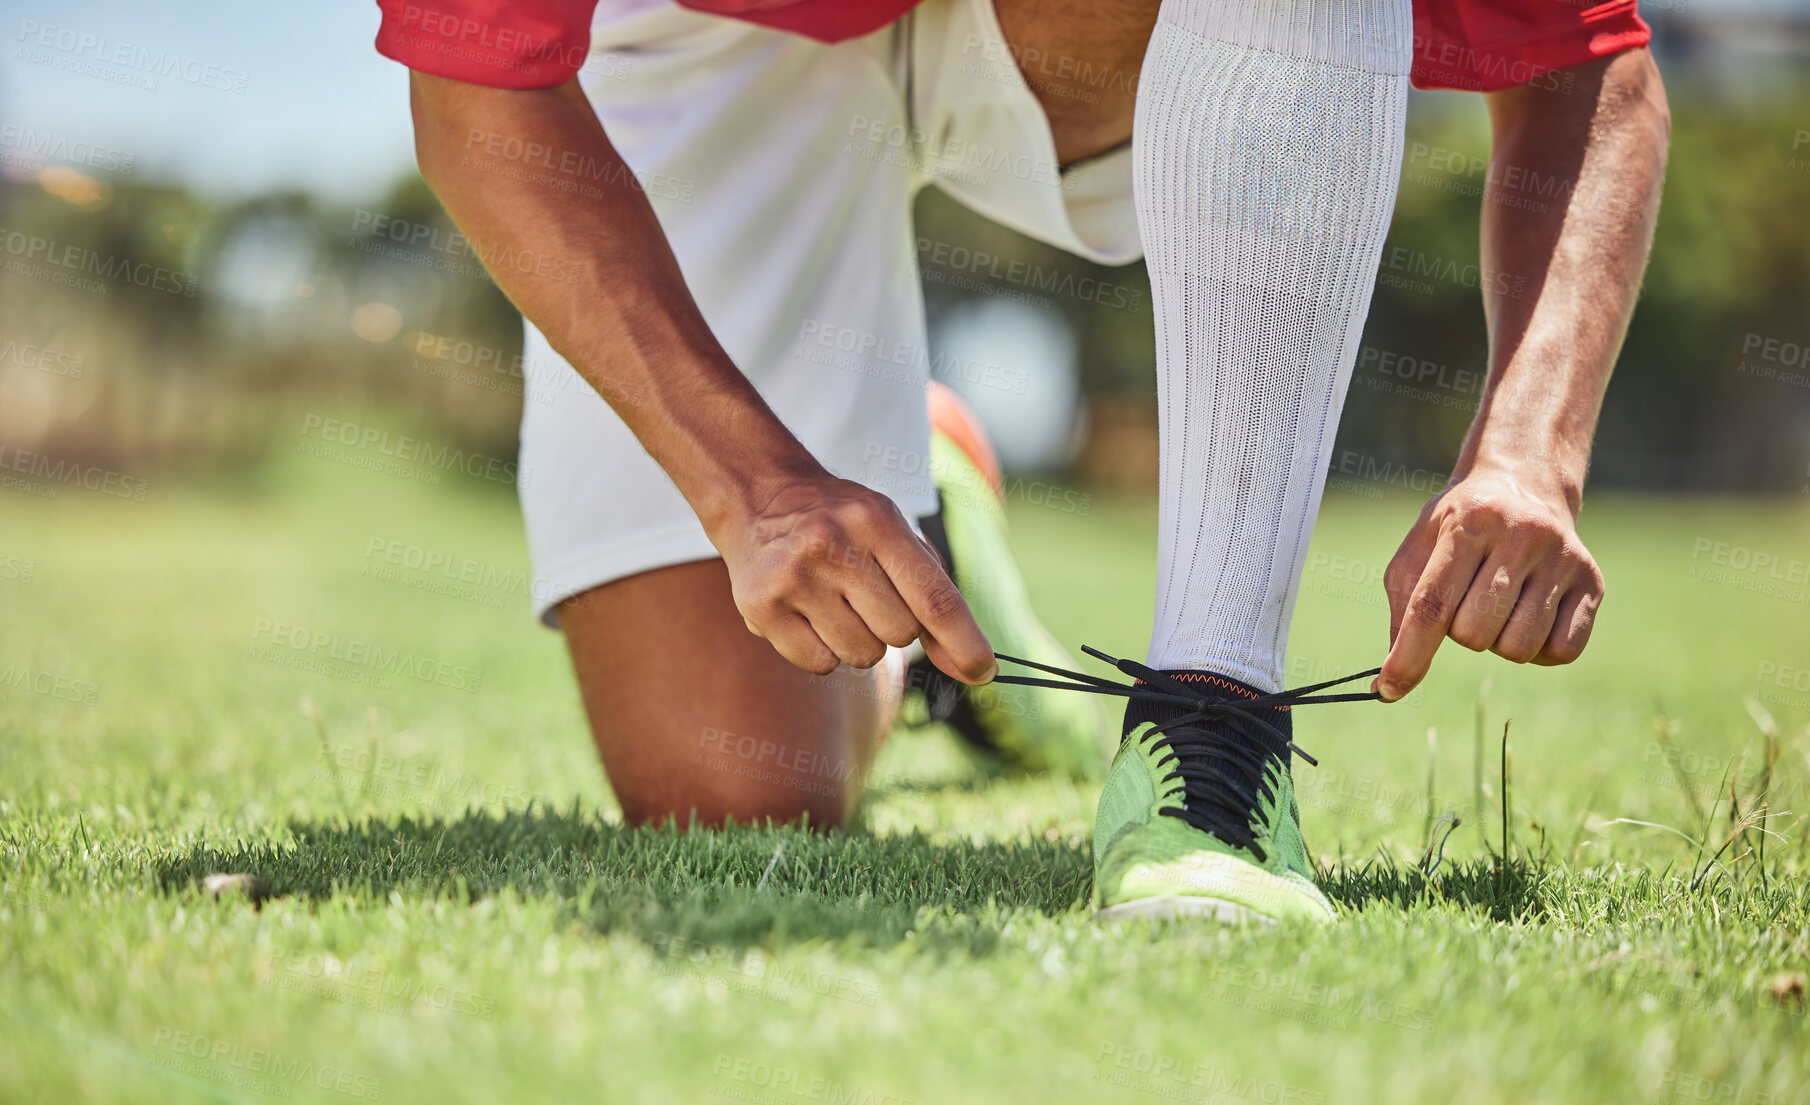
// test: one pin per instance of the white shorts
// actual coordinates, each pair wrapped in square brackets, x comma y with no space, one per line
[783,172]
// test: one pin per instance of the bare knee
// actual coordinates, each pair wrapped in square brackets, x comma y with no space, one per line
[700,722]
[789,766]
[706,804]
[804,769]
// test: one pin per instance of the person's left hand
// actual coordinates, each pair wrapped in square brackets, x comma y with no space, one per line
[1494,562]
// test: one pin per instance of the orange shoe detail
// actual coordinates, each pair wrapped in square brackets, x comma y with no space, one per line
[955,420]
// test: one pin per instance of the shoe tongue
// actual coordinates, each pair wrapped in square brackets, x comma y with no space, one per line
[1214,687]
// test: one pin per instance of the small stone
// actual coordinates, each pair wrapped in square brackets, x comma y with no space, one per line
[253,887]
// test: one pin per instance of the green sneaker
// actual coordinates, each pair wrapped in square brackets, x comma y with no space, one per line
[1151,859]
[1029,729]
[1198,816]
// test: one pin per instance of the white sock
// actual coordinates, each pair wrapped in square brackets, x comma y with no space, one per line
[1267,146]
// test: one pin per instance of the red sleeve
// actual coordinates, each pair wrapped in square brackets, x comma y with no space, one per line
[1486,45]
[499,43]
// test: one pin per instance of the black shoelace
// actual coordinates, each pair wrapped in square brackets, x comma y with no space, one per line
[1218,770]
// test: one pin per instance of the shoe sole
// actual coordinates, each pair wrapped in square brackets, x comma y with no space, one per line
[1181,909]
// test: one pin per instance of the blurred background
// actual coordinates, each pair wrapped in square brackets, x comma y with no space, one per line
[192,260]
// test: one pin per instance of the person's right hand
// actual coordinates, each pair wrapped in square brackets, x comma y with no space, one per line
[828,570]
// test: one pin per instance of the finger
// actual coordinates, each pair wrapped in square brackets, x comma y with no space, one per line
[1403,572]
[1488,605]
[876,601]
[1428,614]
[1527,628]
[1573,623]
[838,626]
[952,640]
[792,637]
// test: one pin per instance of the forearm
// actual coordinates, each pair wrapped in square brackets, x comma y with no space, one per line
[1568,217]
[613,302]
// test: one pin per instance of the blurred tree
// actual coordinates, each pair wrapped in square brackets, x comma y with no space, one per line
[258,313]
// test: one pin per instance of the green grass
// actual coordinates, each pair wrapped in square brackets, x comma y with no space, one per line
[458,914]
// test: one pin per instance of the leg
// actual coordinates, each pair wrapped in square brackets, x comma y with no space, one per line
[1269,134]
[693,714]
[1081,60]
[1269,140]
[800,278]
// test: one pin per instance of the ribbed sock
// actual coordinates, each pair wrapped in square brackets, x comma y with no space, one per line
[1267,147]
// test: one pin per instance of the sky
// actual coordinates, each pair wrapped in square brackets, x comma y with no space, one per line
[318,107]
[307,102]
